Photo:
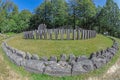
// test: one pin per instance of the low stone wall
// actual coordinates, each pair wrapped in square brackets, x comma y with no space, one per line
[63,67]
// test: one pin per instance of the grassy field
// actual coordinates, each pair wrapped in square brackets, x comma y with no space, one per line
[7,69]
[57,47]
[24,75]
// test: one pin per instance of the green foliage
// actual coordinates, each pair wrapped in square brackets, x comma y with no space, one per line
[108,18]
[82,12]
[11,19]
[51,12]
[57,13]
[24,18]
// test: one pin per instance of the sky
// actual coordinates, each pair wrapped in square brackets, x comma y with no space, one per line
[27,4]
[32,4]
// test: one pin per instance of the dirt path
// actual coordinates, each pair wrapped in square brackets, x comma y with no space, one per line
[113,73]
[6,73]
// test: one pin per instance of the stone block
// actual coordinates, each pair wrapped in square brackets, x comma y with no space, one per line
[28,56]
[53,58]
[58,69]
[35,57]
[44,59]
[63,57]
[81,58]
[82,67]
[20,53]
[98,62]
[72,58]
[34,66]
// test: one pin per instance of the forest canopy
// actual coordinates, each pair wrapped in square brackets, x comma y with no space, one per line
[56,13]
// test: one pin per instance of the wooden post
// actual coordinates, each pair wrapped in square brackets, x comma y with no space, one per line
[62,33]
[56,34]
[32,34]
[90,33]
[37,35]
[83,34]
[45,34]
[40,33]
[87,34]
[51,34]
[74,35]
[78,34]
[68,34]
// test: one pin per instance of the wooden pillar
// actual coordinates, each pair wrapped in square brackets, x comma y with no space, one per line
[83,34]
[74,34]
[37,34]
[68,34]
[45,34]
[78,34]
[40,34]
[61,34]
[56,34]
[51,34]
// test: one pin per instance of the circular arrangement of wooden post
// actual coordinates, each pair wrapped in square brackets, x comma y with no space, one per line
[61,34]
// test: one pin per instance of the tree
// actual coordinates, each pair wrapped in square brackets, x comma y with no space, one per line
[108,18]
[82,11]
[51,12]
[10,18]
[6,7]
[41,15]
[59,12]
[24,19]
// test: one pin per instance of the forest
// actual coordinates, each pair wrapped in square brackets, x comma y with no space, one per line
[61,13]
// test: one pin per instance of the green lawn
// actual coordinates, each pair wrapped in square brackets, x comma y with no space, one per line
[97,43]
[57,47]
[9,71]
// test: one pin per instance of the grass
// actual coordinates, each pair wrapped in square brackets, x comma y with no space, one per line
[8,70]
[99,72]
[102,41]
[57,47]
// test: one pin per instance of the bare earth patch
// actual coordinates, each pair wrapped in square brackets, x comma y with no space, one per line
[113,73]
[6,73]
